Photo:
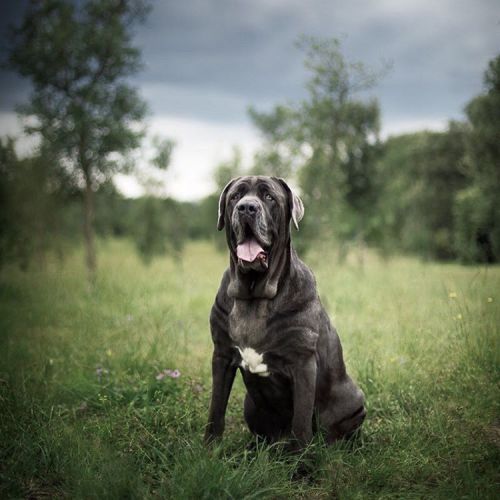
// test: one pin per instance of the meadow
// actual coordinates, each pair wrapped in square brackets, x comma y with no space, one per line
[87,411]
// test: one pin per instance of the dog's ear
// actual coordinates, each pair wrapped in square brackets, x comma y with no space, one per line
[294,203]
[222,204]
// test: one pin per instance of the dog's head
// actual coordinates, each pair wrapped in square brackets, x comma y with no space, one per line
[256,212]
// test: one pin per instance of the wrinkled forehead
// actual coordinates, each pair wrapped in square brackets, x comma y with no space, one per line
[258,185]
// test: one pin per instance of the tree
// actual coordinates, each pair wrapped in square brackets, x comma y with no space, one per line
[159,224]
[477,208]
[32,196]
[78,58]
[280,155]
[330,139]
[154,161]
[227,170]
[418,177]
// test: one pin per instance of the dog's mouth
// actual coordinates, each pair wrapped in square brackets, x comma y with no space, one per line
[251,252]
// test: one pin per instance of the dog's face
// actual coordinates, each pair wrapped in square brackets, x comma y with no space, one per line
[256,211]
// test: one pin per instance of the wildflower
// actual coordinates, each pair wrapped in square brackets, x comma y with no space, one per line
[490,299]
[459,316]
[109,353]
[174,373]
[168,373]
[452,295]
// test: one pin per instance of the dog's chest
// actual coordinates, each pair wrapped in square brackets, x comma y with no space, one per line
[247,329]
[247,322]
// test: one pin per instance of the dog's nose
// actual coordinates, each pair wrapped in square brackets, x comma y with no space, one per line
[247,207]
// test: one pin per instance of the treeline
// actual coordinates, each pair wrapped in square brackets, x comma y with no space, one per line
[40,214]
[439,193]
[425,198]
[433,194]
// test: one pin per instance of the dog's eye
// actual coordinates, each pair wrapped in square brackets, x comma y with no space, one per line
[268,197]
[236,196]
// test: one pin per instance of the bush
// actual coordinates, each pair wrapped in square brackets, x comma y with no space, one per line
[477,234]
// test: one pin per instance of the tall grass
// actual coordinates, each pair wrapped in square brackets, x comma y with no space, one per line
[82,414]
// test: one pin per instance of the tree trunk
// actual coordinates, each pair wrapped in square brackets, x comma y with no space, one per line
[88,229]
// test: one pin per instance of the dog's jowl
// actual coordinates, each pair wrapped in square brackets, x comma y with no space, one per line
[268,322]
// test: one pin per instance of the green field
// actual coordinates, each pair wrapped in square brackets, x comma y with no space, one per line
[82,414]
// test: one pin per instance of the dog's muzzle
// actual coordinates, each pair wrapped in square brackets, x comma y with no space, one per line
[250,230]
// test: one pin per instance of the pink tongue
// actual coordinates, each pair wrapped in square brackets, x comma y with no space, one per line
[249,250]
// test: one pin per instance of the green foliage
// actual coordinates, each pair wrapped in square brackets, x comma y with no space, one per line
[164,149]
[280,155]
[476,227]
[438,192]
[478,207]
[150,238]
[40,214]
[228,170]
[78,57]
[330,139]
[113,212]
[36,206]
[419,176]
[201,220]
[77,60]
[159,226]
[428,193]
[82,414]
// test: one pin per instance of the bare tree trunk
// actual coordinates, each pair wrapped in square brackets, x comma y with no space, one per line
[88,229]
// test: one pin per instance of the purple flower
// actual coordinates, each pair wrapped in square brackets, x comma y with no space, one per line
[173,373]
[168,373]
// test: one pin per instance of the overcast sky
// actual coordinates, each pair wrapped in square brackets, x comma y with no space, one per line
[206,61]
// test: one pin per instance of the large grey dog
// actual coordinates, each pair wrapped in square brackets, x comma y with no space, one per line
[268,321]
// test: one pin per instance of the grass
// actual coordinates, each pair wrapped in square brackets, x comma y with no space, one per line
[82,414]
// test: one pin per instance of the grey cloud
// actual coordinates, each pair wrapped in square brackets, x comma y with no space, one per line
[211,59]
[438,49]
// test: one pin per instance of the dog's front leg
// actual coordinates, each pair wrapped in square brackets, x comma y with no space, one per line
[304,389]
[223,372]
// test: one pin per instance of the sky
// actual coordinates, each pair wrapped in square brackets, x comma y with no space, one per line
[207,61]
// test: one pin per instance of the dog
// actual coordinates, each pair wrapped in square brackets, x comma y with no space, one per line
[268,322]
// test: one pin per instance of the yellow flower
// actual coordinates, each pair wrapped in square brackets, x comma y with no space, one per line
[452,295]
[490,299]
[109,352]
[459,316]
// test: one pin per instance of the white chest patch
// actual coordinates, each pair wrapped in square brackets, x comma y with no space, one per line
[251,360]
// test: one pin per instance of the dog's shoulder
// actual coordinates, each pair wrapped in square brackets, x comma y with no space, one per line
[300,283]
[222,305]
